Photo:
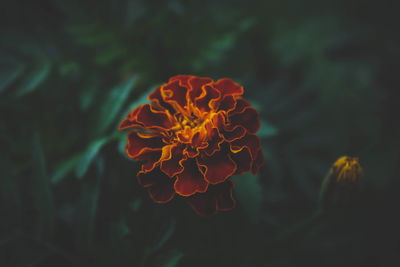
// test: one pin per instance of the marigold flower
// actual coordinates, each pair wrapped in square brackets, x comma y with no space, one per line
[194,135]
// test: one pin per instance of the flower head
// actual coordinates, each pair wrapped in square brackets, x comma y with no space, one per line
[194,135]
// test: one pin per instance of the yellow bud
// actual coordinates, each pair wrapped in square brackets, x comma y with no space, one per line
[347,168]
[341,186]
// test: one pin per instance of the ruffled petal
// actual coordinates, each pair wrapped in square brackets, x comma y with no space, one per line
[229,132]
[175,94]
[218,167]
[228,87]
[214,140]
[227,104]
[217,197]
[258,162]
[205,101]
[248,119]
[151,159]
[243,160]
[251,141]
[241,104]
[138,143]
[172,165]
[203,204]
[160,186]
[191,180]
[183,79]
[232,135]
[196,84]
[224,197]
[131,120]
[158,100]
[152,117]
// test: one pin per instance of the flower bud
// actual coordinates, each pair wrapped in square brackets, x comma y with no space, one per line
[341,186]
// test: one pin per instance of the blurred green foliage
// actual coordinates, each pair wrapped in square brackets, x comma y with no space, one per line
[323,77]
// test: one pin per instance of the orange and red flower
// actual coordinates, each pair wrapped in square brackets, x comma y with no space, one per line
[194,136]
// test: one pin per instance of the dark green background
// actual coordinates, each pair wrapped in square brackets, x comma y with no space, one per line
[324,78]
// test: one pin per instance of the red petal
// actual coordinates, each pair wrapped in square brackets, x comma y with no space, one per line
[150,117]
[228,87]
[150,159]
[218,167]
[183,79]
[248,119]
[138,143]
[191,180]
[251,141]
[205,101]
[159,185]
[157,98]
[172,164]
[235,134]
[223,196]
[214,140]
[227,104]
[191,152]
[258,162]
[131,120]
[241,104]
[196,84]
[173,93]
[217,197]
[203,204]
[243,160]
[214,143]
[228,132]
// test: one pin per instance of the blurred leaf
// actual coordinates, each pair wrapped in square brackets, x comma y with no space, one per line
[108,55]
[302,177]
[113,104]
[135,205]
[121,229]
[86,213]
[170,258]
[267,130]
[34,79]
[164,237]
[88,156]
[87,96]
[8,76]
[68,68]
[65,167]
[249,195]
[42,191]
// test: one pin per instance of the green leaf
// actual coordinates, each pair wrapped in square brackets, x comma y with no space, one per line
[170,258]
[88,156]
[121,229]
[34,79]
[164,237]
[86,213]
[64,168]
[9,76]
[42,192]
[135,205]
[113,104]
[267,130]
[249,195]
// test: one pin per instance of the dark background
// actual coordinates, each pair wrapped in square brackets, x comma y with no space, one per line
[323,76]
